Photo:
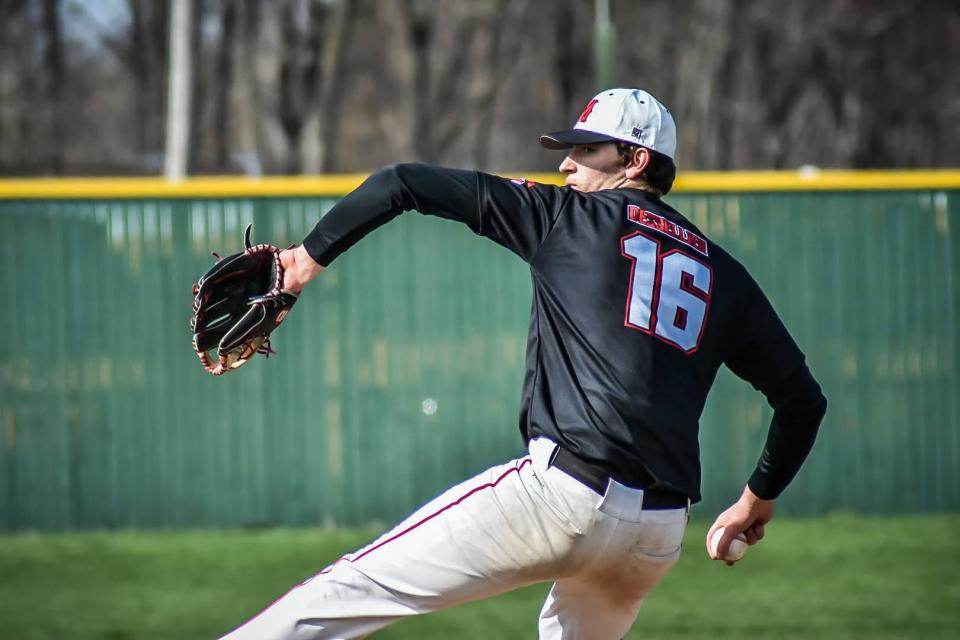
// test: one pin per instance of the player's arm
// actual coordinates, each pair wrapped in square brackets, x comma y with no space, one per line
[512,215]
[768,358]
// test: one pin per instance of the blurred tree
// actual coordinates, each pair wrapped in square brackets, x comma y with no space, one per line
[19,90]
[348,85]
[226,77]
[271,72]
[54,85]
[323,113]
[441,71]
[835,83]
[142,48]
[506,29]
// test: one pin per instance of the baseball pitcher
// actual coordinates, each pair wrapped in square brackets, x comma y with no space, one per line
[634,311]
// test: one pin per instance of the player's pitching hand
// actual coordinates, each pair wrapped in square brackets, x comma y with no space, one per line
[748,515]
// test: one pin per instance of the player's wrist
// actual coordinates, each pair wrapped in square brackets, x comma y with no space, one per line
[756,512]
[752,500]
[298,268]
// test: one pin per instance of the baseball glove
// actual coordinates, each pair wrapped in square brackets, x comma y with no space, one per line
[236,306]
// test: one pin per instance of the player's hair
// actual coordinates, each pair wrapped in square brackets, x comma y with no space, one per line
[659,173]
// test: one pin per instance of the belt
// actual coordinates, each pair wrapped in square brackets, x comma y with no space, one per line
[597,479]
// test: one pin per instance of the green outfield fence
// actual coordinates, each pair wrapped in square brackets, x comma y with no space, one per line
[399,372]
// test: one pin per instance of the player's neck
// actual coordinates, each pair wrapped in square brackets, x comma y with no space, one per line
[640,185]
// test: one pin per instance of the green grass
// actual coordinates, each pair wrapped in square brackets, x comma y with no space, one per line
[836,577]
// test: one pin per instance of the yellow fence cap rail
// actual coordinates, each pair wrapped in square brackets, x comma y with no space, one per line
[814,179]
[202,187]
[808,179]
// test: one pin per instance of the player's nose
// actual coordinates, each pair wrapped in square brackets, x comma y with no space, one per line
[568,165]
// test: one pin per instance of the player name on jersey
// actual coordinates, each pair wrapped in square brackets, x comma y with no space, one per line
[667,227]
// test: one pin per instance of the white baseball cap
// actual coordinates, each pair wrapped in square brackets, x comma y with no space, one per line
[627,115]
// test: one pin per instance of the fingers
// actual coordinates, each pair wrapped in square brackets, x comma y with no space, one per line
[710,551]
[723,546]
[748,515]
[754,533]
[719,538]
[287,258]
[725,529]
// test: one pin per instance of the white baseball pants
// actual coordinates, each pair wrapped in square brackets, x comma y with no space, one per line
[510,526]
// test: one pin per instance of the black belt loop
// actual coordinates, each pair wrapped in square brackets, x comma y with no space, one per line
[553,455]
[579,469]
[597,479]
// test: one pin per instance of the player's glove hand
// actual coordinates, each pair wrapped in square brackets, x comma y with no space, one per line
[236,306]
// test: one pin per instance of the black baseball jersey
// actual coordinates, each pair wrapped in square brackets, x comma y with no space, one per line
[634,310]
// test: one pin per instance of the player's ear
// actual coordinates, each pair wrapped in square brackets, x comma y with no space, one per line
[639,159]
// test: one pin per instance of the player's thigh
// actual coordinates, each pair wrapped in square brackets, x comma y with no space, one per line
[486,535]
[482,537]
[655,546]
[593,608]
[581,610]
[603,598]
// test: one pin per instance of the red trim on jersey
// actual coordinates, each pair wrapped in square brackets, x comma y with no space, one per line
[433,515]
[667,227]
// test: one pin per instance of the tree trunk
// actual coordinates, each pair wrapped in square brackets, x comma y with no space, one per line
[141,76]
[332,97]
[53,61]
[178,99]
[507,28]
[331,85]
[224,85]
[419,29]
[247,129]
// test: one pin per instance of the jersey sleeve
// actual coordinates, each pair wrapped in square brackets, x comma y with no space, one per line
[767,357]
[512,214]
[518,214]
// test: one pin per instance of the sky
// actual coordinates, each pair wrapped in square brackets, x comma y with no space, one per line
[87,20]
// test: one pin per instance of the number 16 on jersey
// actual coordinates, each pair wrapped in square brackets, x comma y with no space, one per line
[669,294]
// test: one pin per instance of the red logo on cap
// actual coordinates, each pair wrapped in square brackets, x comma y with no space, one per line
[588,109]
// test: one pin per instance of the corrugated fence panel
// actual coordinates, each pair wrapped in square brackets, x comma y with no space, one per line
[399,372]
[868,284]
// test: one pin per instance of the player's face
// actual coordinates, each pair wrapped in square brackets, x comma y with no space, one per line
[592,167]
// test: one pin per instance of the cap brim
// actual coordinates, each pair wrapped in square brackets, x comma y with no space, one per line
[569,137]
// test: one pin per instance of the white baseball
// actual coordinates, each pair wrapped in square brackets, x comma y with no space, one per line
[737,549]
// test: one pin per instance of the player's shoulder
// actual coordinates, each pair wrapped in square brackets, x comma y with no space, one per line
[532,191]
[653,215]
